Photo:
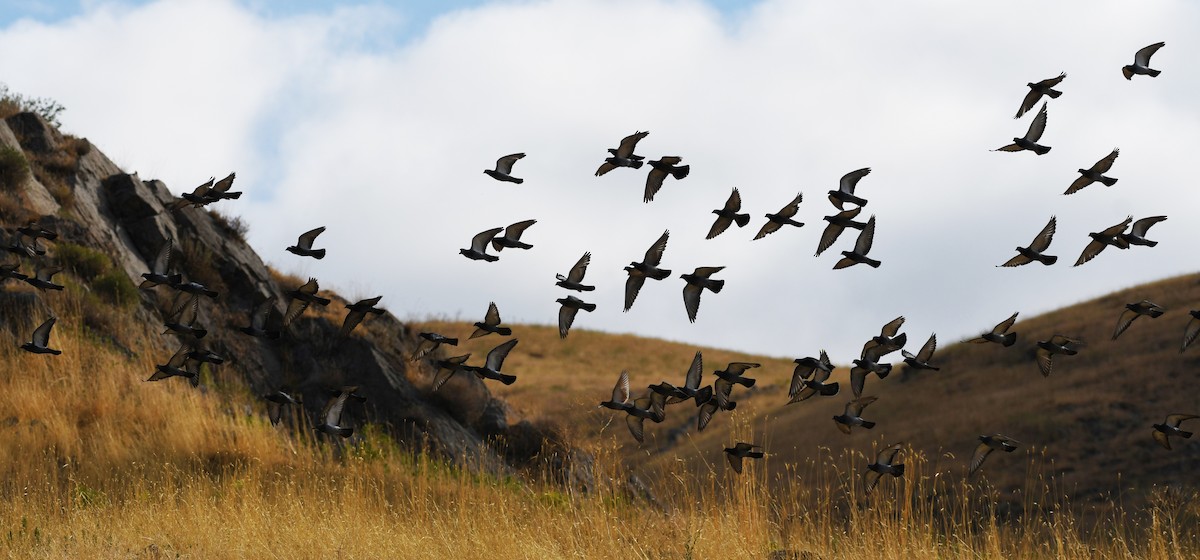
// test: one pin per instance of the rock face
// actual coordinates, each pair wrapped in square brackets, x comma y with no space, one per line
[92,203]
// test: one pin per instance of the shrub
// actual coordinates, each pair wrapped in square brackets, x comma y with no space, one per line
[12,103]
[85,263]
[233,226]
[14,168]
[116,287]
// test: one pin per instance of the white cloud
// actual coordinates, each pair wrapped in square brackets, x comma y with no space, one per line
[327,122]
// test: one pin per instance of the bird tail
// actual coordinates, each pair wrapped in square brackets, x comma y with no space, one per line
[1041,150]
[589,307]
[1185,434]
[887,369]
[194,379]
[1047,259]
[506,379]
[232,195]
[683,170]
[747,382]
[898,470]
[1053,93]
[1008,339]
[503,331]
[830,389]
[868,424]
[755,454]
[795,223]
[732,405]
[741,219]
[199,333]
[660,275]
[1152,73]
[451,341]
[318,254]
[496,245]
[1108,181]
[319,300]
[715,286]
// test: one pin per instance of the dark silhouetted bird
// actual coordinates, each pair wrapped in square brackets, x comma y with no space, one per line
[728,215]
[566,314]
[637,411]
[1029,141]
[178,366]
[490,324]
[1110,236]
[182,319]
[276,400]
[1137,233]
[503,169]
[1037,90]
[999,334]
[303,246]
[861,247]
[809,378]
[43,279]
[889,340]
[357,312]
[301,298]
[739,451]
[23,246]
[430,341]
[1191,331]
[987,444]
[697,281]
[1095,173]
[259,319]
[11,270]
[40,341]
[34,229]
[668,165]
[852,416]
[622,155]
[691,385]
[845,191]
[921,359]
[1135,310]
[512,236]
[868,363]
[733,373]
[1170,427]
[885,463]
[648,268]
[201,353]
[194,287]
[479,245]
[494,361]
[330,421]
[1033,252]
[160,272]
[1141,62]
[574,279]
[196,198]
[838,223]
[1058,344]
[449,365]
[220,190]
[784,217]
[721,391]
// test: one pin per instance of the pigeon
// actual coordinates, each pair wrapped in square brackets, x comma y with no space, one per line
[1110,236]
[17,246]
[837,224]
[512,237]
[1040,243]
[574,279]
[868,363]
[200,353]
[504,167]
[853,415]
[809,378]
[1191,330]
[890,338]
[357,312]
[733,373]
[33,229]
[1137,233]
[648,268]
[1170,427]
[258,320]
[740,451]
[1037,90]
[1058,344]
[301,298]
[11,270]
[999,333]
[330,420]
[451,366]
[220,190]
[40,342]
[1095,173]
[160,273]
[490,324]
[303,246]
[691,385]
[43,279]
[638,411]
[196,198]
[921,360]
[1141,62]
[494,361]
[845,191]
[721,390]
[861,248]
[1135,310]
[986,446]
[277,400]
[622,155]
[566,314]
[1029,141]
[620,395]
[479,244]
[182,319]
[696,283]
[668,165]
[885,463]
[430,341]
[784,217]
[193,287]
[178,366]
[728,215]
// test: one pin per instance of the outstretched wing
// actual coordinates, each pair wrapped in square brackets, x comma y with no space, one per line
[505,164]
[928,349]
[1038,126]
[695,372]
[495,358]
[655,252]
[629,144]
[1044,237]
[580,268]
[1142,58]
[981,452]
[850,180]
[1003,326]
[865,238]
[480,242]
[41,335]
[1142,226]
[306,239]
[620,393]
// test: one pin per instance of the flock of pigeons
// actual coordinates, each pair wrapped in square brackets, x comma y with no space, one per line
[810,377]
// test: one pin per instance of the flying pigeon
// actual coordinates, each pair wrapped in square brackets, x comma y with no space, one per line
[258,320]
[691,385]
[649,406]
[178,366]
[430,341]
[809,378]
[1135,310]
[220,190]
[853,415]
[733,373]
[889,340]
[451,366]
[566,314]
[160,273]
[1137,233]
[193,287]
[277,400]
[12,270]
[1029,141]
[837,224]
[357,312]
[668,165]
[721,390]
[504,167]
[784,217]
[999,333]
[494,361]
[330,420]
[885,463]
[728,215]
[1170,427]
[490,324]
[986,446]
[574,279]
[43,279]
[1037,90]
[648,268]
[868,363]
[512,237]
[740,451]
[34,229]
[921,360]
[1095,173]
[861,247]
[1191,330]
[479,244]
[303,246]
[40,342]
[696,283]
[622,155]
[1111,236]
[301,298]
[1040,243]
[845,192]
[196,198]
[1141,62]
[182,319]
[1057,344]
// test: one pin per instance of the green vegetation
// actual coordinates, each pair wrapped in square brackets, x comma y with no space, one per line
[14,168]
[12,103]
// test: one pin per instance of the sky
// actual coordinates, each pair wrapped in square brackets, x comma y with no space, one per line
[377,119]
